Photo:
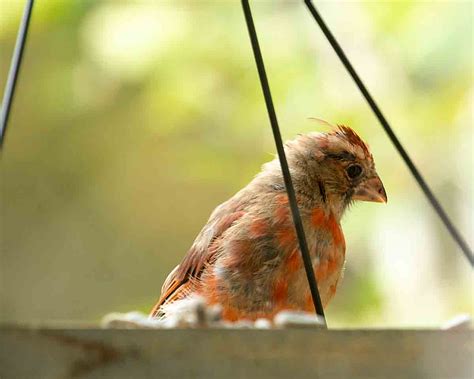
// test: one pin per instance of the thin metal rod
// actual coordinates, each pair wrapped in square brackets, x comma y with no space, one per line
[388,129]
[283,162]
[14,69]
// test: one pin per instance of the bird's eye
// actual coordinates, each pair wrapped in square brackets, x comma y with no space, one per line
[354,171]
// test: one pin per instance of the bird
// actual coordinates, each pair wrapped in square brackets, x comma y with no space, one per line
[246,258]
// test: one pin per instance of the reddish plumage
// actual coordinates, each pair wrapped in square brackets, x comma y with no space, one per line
[246,257]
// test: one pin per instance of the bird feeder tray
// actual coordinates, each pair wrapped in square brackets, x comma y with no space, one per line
[46,352]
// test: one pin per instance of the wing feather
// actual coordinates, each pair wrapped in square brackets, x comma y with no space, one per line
[180,281]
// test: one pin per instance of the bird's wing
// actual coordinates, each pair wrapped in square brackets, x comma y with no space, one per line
[178,282]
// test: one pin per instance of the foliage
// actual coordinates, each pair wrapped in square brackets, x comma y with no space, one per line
[133,120]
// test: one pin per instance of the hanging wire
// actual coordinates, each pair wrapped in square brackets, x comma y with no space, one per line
[388,129]
[283,162]
[14,69]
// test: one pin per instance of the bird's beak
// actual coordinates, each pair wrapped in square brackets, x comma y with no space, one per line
[371,190]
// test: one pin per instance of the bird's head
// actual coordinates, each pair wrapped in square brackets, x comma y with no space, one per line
[338,165]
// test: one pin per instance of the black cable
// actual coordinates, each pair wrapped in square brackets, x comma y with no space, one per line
[388,129]
[14,69]
[283,162]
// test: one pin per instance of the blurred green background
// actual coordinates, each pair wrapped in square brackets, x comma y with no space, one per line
[134,119]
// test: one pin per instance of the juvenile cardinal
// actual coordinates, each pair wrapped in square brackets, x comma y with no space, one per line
[247,258]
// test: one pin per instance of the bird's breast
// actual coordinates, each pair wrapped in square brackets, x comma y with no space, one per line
[261,271]
[327,249]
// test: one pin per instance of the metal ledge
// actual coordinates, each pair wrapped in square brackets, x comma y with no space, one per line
[219,353]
